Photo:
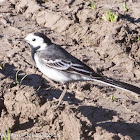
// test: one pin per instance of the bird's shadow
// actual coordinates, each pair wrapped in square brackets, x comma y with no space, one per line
[129,18]
[101,117]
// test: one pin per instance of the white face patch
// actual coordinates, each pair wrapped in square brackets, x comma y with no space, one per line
[34,40]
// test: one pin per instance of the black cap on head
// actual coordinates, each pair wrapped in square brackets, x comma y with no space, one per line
[46,39]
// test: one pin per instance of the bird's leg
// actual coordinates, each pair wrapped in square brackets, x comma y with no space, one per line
[62,95]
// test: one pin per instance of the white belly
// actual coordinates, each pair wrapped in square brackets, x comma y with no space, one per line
[51,73]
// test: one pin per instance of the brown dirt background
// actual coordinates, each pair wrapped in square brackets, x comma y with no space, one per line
[87,112]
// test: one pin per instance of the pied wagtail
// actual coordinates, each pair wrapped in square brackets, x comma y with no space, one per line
[60,66]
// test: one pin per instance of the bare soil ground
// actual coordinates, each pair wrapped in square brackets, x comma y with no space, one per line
[87,111]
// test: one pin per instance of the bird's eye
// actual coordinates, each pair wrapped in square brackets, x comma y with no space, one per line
[33,39]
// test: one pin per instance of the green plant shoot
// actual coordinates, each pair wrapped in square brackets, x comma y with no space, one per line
[6,136]
[111,17]
[125,8]
[92,4]
[138,39]
[112,97]
[17,81]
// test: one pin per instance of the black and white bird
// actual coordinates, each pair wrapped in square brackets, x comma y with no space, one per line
[60,66]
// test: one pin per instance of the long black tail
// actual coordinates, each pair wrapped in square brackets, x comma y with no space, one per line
[118,84]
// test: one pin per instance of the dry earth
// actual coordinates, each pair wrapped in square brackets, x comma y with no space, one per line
[87,111]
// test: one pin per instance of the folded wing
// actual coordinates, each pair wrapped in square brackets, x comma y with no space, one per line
[67,66]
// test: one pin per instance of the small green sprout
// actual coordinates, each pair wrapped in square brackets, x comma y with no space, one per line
[125,8]
[6,136]
[138,39]
[1,66]
[37,89]
[17,81]
[111,17]
[112,97]
[92,4]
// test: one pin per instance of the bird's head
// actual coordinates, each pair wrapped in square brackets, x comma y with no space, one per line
[38,40]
